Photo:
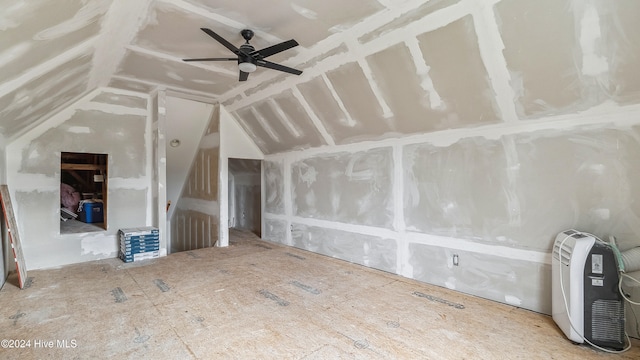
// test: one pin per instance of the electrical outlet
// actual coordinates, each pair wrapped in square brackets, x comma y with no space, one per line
[291,227]
[456,260]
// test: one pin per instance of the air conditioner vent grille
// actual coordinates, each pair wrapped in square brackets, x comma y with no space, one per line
[565,256]
[607,320]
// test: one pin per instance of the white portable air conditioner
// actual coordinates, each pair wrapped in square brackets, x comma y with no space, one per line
[586,303]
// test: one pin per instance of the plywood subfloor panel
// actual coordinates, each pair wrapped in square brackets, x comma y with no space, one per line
[256,299]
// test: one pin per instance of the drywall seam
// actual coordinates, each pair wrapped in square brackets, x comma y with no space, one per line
[354,49]
[336,97]
[288,196]
[96,244]
[398,211]
[117,91]
[185,96]
[265,125]
[51,122]
[119,27]
[422,239]
[293,129]
[398,190]
[112,108]
[616,116]
[84,48]
[422,70]
[148,141]
[141,183]
[61,108]
[314,118]
[491,51]
[161,166]
[590,33]
[213,68]
[163,87]
[513,174]
[263,200]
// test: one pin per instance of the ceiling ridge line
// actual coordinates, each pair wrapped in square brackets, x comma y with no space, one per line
[120,26]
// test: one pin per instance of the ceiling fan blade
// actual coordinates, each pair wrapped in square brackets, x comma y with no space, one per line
[221,40]
[274,66]
[244,76]
[271,50]
[212,59]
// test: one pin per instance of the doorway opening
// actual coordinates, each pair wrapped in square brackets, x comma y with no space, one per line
[83,192]
[245,195]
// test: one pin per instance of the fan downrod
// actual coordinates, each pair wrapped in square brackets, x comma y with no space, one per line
[247,34]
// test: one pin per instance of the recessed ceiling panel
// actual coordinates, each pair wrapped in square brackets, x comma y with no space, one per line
[32,32]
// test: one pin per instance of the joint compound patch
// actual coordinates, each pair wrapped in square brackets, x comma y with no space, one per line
[119,295]
[274,297]
[161,285]
[296,256]
[306,288]
[437,299]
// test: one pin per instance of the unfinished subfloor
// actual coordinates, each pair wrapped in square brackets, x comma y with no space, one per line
[258,300]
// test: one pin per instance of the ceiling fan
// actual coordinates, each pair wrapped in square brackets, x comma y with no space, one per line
[248,57]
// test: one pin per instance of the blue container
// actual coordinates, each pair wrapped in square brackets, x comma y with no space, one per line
[92,213]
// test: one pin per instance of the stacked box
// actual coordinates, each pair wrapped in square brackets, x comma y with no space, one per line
[139,243]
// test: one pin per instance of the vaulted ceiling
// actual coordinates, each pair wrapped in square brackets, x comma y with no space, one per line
[372,68]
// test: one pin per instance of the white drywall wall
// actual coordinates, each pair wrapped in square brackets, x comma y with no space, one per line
[186,122]
[234,143]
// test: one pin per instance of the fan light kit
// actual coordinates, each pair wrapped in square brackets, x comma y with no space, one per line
[248,57]
[247,67]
